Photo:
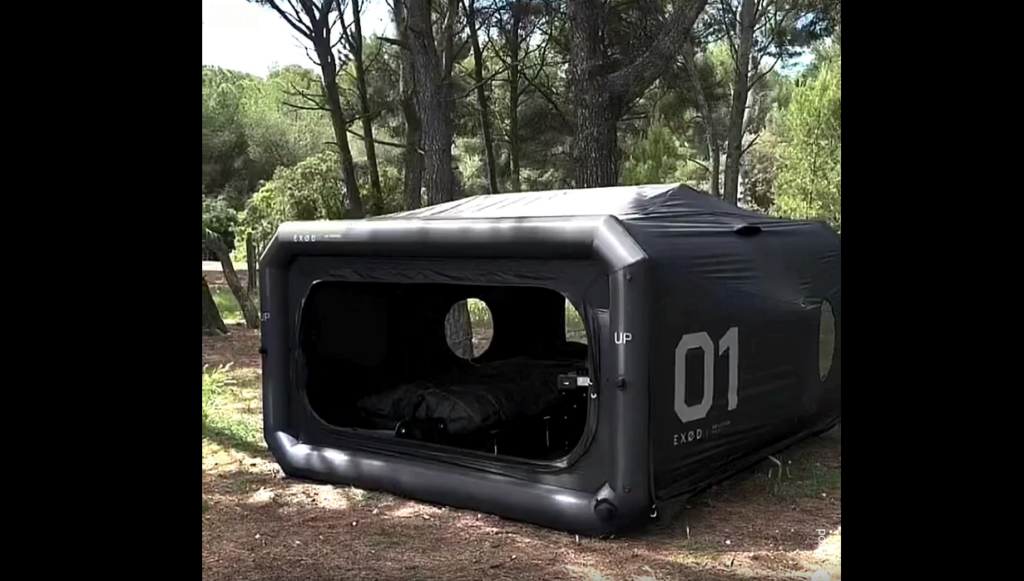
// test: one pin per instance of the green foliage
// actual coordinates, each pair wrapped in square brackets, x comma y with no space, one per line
[469,159]
[760,169]
[542,134]
[479,313]
[311,190]
[263,155]
[659,157]
[220,218]
[249,129]
[809,180]
[225,148]
[390,169]
[227,304]
[278,133]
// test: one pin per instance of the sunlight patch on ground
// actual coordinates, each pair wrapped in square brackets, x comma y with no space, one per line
[695,558]
[765,564]
[245,396]
[828,556]
[412,509]
[589,574]
[253,517]
[296,495]
[218,459]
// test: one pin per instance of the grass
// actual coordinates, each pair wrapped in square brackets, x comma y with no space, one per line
[257,525]
[800,478]
[232,411]
[227,304]
[814,481]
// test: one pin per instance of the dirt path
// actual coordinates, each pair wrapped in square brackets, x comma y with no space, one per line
[260,526]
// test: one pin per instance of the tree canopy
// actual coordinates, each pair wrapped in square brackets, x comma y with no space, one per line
[477,96]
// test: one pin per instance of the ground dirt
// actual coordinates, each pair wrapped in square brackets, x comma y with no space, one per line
[259,525]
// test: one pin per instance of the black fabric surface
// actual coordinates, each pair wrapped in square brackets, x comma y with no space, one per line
[472,399]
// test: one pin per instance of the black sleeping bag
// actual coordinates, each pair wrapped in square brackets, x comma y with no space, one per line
[471,399]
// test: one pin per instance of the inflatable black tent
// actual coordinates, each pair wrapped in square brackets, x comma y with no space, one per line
[714,338]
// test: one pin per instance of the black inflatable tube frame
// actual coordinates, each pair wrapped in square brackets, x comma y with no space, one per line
[627,495]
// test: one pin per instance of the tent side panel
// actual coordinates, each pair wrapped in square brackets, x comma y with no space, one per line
[734,353]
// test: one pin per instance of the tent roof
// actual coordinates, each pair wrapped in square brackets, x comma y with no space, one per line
[623,202]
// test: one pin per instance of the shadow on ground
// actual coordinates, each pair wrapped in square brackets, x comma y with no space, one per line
[228,439]
[258,525]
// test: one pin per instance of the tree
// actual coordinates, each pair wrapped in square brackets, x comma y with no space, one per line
[759,34]
[525,85]
[707,115]
[212,321]
[316,21]
[511,29]
[433,58]
[483,101]
[656,157]
[412,160]
[808,184]
[307,191]
[228,168]
[354,40]
[602,94]
[213,243]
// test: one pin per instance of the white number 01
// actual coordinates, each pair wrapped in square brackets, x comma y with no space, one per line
[730,343]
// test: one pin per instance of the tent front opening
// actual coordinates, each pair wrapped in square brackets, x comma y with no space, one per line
[497,370]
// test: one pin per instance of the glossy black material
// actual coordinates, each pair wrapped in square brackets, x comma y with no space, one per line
[681,269]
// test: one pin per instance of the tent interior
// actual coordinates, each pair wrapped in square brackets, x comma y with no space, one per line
[500,370]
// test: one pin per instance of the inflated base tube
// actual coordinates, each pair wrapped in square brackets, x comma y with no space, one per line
[603,513]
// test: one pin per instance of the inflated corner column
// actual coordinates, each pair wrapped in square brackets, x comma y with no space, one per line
[628,494]
[275,352]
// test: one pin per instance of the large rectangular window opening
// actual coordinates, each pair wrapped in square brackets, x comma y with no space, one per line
[498,370]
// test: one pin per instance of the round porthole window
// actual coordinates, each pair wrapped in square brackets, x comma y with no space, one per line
[469,328]
[826,340]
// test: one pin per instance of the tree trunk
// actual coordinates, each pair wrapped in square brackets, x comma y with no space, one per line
[412,175]
[482,100]
[595,144]
[413,157]
[458,328]
[600,96]
[432,63]
[738,106]
[352,205]
[377,203]
[250,266]
[716,168]
[431,75]
[313,21]
[212,321]
[707,119]
[595,148]
[514,92]
[249,312]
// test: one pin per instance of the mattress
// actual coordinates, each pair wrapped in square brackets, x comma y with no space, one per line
[474,399]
